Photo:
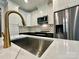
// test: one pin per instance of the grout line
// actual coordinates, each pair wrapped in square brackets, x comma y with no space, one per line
[17,54]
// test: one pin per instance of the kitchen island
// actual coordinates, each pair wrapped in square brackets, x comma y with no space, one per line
[59,49]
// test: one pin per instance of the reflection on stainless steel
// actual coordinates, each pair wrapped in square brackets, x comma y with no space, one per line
[70,18]
[6,33]
[40,47]
[66,23]
[77,26]
[33,45]
[60,20]
[75,23]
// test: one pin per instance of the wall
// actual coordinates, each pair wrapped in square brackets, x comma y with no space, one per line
[26,16]
[30,18]
[37,29]
[15,20]
[43,10]
[49,28]
[46,10]
[3,6]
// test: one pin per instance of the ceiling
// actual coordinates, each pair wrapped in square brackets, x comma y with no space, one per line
[31,5]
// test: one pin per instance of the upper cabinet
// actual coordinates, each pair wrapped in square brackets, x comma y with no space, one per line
[28,20]
[50,14]
[71,3]
[34,18]
[26,16]
[62,4]
[77,2]
[59,5]
[44,10]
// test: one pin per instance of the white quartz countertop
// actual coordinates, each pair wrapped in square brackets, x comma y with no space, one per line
[59,49]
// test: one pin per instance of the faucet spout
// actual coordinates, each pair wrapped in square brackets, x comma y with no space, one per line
[7,42]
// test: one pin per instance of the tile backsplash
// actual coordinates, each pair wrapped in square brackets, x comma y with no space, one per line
[14,29]
[51,28]
[23,29]
[48,28]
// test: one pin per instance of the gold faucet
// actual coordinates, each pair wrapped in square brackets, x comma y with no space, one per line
[6,34]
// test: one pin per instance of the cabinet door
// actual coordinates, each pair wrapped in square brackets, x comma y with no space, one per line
[77,2]
[59,4]
[26,16]
[50,14]
[28,20]
[34,18]
[71,3]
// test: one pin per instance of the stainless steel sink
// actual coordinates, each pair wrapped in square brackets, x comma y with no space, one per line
[33,45]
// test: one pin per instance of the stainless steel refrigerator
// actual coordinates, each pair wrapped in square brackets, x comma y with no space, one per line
[67,23]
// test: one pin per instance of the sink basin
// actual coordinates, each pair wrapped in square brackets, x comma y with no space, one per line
[33,45]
